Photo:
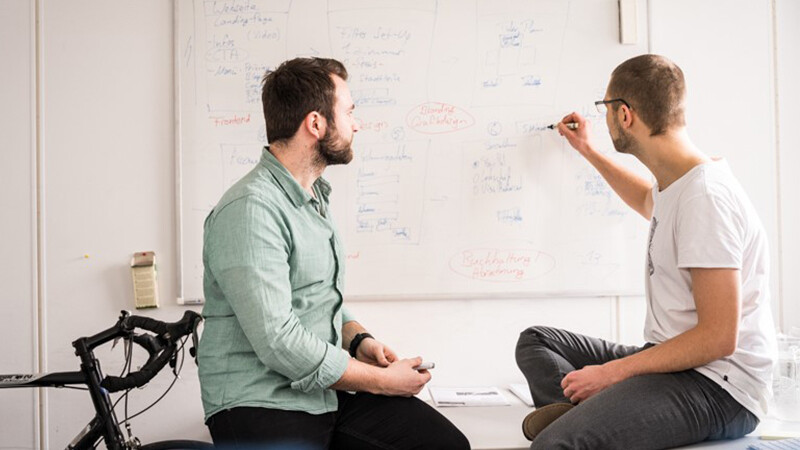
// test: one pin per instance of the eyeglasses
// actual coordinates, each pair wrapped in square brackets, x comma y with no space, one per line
[601,104]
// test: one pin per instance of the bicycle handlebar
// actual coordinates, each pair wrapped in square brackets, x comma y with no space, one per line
[160,347]
[168,330]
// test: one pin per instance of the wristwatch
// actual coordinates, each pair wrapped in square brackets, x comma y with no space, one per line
[357,341]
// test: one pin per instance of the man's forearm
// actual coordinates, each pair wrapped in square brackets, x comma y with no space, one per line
[716,293]
[694,348]
[631,188]
[688,350]
[349,331]
[360,377]
[398,379]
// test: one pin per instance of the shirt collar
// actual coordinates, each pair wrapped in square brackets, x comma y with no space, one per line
[290,186]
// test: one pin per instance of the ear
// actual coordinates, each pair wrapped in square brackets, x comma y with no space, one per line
[314,124]
[625,116]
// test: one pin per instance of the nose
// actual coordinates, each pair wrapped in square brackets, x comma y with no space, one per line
[356,125]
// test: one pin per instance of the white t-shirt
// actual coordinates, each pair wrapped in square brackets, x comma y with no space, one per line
[705,220]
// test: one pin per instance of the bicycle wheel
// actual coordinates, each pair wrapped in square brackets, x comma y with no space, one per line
[178,445]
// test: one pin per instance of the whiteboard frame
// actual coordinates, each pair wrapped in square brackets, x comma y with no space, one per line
[520,295]
[176,79]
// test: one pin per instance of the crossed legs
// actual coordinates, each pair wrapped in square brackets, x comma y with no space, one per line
[649,411]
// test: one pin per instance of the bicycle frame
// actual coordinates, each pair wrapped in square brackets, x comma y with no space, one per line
[104,424]
[93,431]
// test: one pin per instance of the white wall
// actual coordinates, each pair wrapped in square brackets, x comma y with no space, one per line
[18,228]
[108,137]
[787,16]
[730,85]
[108,191]
[472,342]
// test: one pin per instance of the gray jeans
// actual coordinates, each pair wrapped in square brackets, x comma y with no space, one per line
[644,412]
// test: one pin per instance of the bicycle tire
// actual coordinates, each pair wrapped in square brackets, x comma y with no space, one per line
[177,445]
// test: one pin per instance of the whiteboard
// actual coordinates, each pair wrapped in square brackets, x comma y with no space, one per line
[457,188]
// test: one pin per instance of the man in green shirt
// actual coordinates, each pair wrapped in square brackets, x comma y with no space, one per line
[271,362]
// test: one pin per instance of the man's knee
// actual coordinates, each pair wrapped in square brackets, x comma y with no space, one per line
[530,338]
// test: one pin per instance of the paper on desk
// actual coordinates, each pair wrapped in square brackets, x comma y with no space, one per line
[522,391]
[467,396]
[782,444]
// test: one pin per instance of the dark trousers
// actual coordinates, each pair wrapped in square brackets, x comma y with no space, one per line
[363,421]
[645,412]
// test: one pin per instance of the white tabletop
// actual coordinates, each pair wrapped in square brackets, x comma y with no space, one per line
[491,427]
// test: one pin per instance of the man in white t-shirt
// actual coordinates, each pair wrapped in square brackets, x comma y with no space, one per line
[705,372]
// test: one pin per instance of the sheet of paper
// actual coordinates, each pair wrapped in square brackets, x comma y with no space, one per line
[777,444]
[467,396]
[522,391]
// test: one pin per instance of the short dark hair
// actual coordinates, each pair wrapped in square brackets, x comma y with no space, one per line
[296,88]
[654,87]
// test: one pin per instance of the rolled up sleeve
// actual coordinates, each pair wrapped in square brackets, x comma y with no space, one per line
[329,372]
[347,316]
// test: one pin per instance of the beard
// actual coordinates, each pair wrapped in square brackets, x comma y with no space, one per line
[333,150]
[624,142]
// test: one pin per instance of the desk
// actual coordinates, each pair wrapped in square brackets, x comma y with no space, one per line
[500,427]
[491,427]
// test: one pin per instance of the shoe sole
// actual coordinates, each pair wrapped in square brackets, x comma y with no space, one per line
[540,418]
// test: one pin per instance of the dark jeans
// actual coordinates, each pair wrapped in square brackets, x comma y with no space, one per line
[363,421]
[644,412]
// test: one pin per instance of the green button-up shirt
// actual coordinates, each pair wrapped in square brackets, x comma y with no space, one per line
[273,284]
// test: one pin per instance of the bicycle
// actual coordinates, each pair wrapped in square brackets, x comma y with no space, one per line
[163,347]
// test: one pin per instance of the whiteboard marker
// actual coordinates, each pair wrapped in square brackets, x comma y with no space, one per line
[570,125]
